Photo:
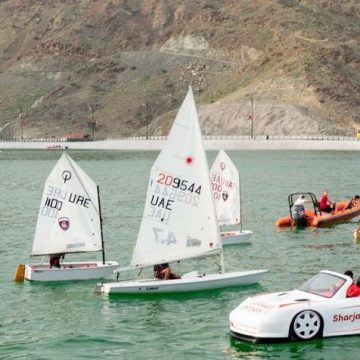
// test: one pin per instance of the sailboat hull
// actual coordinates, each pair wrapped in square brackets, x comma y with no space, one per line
[236,237]
[70,271]
[185,284]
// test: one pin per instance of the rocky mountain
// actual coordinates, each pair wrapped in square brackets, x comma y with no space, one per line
[122,67]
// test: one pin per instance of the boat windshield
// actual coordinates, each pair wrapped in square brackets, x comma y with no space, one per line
[323,284]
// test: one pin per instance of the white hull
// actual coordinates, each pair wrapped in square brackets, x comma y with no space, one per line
[186,284]
[70,271]
[236,237]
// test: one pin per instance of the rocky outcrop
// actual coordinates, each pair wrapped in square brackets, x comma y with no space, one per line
[298,60]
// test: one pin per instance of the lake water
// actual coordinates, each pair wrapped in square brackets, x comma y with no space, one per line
[51,321]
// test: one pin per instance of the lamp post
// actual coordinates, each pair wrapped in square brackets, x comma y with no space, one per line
[252,117]
[148,117]
[20,110]
[92,122]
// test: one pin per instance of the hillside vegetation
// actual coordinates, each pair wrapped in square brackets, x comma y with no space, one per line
[128,63]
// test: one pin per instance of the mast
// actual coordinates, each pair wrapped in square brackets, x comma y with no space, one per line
[101,228]
[222,261]
[252,117]
[241,225]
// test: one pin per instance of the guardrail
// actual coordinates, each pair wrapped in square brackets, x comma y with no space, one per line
[205,137]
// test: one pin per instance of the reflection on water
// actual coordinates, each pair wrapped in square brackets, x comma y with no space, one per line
[292,350]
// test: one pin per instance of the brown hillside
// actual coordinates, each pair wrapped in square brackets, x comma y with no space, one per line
[61,61]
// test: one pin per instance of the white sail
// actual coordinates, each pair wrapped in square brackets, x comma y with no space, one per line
[68,219]
[179,219]
[225,182]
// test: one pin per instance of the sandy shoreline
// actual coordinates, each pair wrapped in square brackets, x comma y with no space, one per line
[213,144]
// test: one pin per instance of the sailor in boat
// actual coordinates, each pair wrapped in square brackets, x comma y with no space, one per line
[298,211]
[163,272]
[54,260]
[325,204]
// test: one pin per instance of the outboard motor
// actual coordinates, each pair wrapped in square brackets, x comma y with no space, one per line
[298,214]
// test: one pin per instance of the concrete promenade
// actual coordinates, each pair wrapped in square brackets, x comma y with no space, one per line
[211,143]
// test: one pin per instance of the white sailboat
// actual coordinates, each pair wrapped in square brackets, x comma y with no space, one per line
[179,219]
[225,184]
[69,221]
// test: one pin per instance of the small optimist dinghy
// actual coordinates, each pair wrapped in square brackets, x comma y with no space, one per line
[69,221]
[179,220]
[225,184]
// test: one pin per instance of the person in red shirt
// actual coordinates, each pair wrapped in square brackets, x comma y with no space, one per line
[353,290]
[325,204]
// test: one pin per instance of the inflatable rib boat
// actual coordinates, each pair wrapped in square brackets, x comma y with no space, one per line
[344,211]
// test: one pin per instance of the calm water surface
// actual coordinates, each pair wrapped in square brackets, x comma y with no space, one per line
[54,321]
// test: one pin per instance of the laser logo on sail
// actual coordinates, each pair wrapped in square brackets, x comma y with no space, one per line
[191,242]
[189,160]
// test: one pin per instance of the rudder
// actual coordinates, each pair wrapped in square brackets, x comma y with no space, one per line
[20,273]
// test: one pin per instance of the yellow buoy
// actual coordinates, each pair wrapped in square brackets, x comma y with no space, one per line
[20,273]
[356,233]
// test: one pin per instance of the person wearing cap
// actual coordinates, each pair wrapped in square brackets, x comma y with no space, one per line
[301,200]
[298,211]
